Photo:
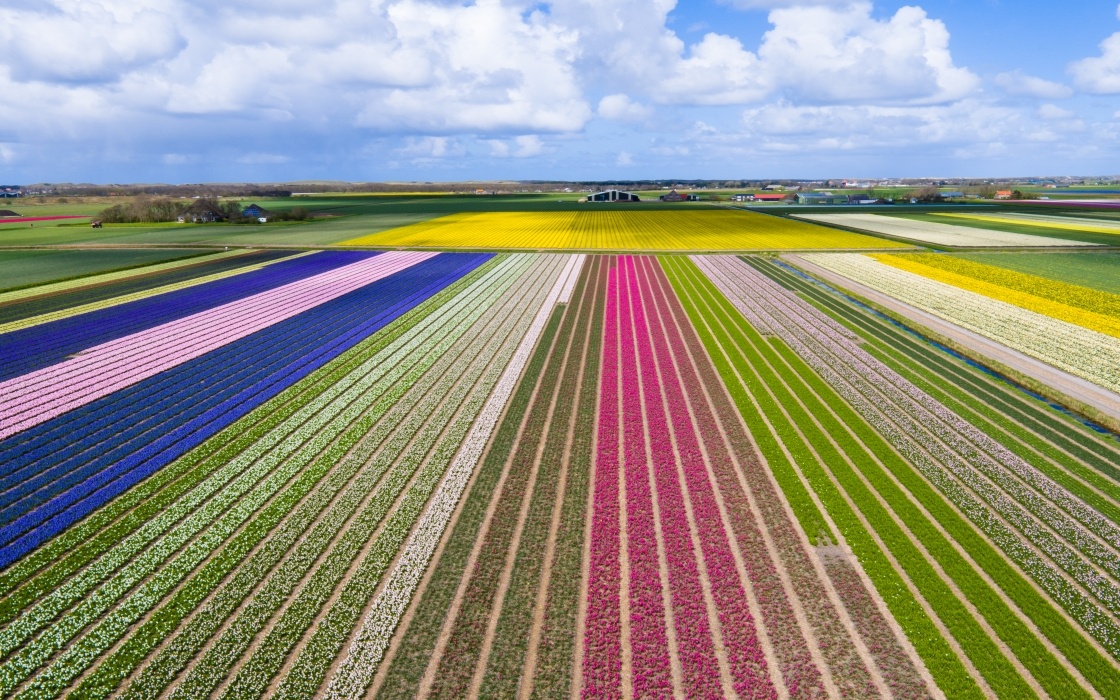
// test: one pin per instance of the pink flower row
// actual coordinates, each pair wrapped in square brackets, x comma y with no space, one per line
[636,343]
[38,396]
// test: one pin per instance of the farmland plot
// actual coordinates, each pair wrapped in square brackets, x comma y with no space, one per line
[1043,529]
[347,474]
[937,234]
[655,230]
[1082,352]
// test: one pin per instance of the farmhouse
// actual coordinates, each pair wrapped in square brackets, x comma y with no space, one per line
[8,213]
[202,211]
[675,196]
[1003,194]
[613,196]
[768,197]
[255,211]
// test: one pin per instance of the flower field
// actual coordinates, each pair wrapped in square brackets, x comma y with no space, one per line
[947,234]
[715,229]
[1064,223]
[1090,308]
[351,474]
[1080,351]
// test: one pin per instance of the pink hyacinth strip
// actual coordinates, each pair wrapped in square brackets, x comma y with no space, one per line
[602,653]
[38,396]
[745,656]
[648,637]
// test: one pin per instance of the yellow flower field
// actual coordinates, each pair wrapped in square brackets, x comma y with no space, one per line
[717,229]
[1088,308]
[1040,222]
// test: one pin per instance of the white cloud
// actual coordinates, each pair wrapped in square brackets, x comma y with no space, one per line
[1018,83]
[624,158]
[841,53]
[1100,74]
[70,41]
[262,159]
[1052,112]
[621,108]
[429,147]
[525,146]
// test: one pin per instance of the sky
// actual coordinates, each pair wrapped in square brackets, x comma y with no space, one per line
[115,91]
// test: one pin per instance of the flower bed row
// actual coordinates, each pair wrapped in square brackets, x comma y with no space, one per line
[1074,456]
[769,394]
[413,655]
[288,450]
[59,305]
[1080,351]
[835,367]
[100,370]
[408,432]
[374,307]
[356,670]
[42,570]
[40,346]
[463,648]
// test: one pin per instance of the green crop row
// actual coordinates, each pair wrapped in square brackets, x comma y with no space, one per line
[405,363]
[556,649]
[726,336]
[515,620]
[1014,634]
[316,655]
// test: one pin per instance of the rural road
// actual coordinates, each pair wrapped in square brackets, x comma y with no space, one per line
[1086,392]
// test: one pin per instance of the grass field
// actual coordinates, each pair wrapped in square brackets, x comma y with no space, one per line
[21,268]
[1094,270]
[621,230]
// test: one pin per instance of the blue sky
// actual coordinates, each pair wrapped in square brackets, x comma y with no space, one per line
[272,90]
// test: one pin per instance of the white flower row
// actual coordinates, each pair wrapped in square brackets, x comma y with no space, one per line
[904,414]
[937,233]
[357,669]
[286,449]
[571,273]
[1080,351]
[409,362]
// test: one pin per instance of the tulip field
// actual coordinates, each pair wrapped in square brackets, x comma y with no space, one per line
[658,230]
[552,474]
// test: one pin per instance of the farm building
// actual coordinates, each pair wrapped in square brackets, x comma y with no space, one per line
[255,211]
[8,213]
[675,196]
[1003,194]
[816,198]
[767,197]
[202,211]
[613,196]
[862,199]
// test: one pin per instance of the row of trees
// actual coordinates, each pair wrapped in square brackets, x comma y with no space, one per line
[153,210]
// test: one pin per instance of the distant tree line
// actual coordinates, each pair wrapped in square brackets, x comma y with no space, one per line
[153,210]
[146,210]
